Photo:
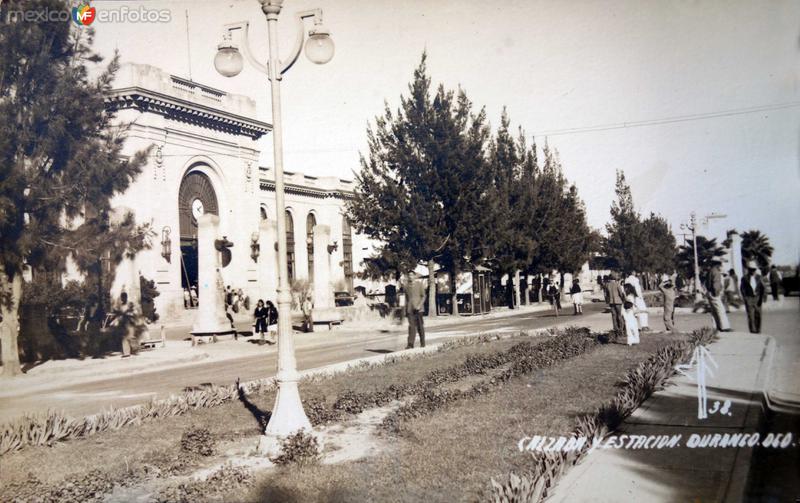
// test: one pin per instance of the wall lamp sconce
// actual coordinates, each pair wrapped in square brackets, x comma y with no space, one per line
[255,248]
[166,244]
[332,248]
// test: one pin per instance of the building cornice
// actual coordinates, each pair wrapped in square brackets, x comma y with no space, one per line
[269,186]
[178,109]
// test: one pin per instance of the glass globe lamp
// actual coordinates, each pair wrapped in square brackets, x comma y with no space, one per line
[319,46]
[228,60]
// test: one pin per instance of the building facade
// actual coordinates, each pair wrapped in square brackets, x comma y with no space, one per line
[204,150]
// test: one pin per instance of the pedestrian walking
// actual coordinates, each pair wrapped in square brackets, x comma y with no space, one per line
[261,317]
[731,295]
[555,297]
[187,298]
[272,320]
[577,297]
[414,297]
[615,296]
[230,318]
[753,294]
[714,293]
[193,294]
[775,282]
[308,320]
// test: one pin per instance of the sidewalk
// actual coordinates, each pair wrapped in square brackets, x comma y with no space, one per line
[683,473]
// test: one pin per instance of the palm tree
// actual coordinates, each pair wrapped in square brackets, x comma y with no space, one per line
[707,250]
[755,246]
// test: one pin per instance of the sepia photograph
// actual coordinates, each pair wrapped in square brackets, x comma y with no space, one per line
[436,251]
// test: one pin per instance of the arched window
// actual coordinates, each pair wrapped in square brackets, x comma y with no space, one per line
[264,213]
[347,253]
[290,245]
[311,221]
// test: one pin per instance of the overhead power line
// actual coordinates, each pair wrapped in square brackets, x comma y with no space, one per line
[670,120]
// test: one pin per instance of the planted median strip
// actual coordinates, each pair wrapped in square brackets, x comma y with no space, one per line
[459,393]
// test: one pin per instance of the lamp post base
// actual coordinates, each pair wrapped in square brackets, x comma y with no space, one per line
[288,417]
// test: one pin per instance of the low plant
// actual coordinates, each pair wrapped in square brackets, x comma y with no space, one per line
[198,440]
[299,449]
[222,482]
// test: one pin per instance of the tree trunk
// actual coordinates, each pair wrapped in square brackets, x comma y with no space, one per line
[9,329]
[526,298]
[455,294]
[517,295]
[432,311]
[541,288]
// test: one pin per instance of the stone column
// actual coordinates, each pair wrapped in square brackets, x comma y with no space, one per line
[267,262]
[323,291]
[210,318]
[735,253]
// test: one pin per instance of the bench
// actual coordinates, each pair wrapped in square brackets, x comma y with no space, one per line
[151,343]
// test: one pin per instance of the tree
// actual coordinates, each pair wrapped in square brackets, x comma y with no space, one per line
[624,230]
[657,245]
[59,153]
[559,223]
[707,250]
[511,203]
[755,246]
[421,186]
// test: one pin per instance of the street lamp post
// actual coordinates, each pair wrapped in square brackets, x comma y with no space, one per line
[288,415]
[692,226]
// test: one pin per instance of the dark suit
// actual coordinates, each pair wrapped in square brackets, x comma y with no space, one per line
[753,298]
[615,296]
[415,297]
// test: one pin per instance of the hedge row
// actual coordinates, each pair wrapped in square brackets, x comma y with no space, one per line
[639,384]
[564,344]
[521,359]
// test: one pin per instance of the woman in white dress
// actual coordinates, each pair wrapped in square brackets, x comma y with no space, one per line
[629,315]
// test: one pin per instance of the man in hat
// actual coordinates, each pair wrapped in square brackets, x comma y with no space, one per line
[753,293]
[415,297]
[775,282]
[668,291]
[715,291]
[615,296]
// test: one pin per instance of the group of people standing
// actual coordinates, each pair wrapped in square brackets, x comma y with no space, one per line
[628,308]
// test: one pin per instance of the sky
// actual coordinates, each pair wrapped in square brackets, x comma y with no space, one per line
[702,98]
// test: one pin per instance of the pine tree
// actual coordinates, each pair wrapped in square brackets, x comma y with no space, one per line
[657,245]
[623,245]
[420,189]
[59,154]
[512,203]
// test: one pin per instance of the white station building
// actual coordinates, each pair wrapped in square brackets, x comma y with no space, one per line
[205,146]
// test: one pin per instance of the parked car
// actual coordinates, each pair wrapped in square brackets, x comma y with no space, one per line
[342,299]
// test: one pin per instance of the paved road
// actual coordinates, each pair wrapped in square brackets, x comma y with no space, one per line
[91,397]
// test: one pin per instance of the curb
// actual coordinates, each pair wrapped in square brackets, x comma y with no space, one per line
[737,483]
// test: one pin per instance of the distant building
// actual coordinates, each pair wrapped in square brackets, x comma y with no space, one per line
[204,159]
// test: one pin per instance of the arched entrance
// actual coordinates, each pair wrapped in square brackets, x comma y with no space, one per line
[195,197]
